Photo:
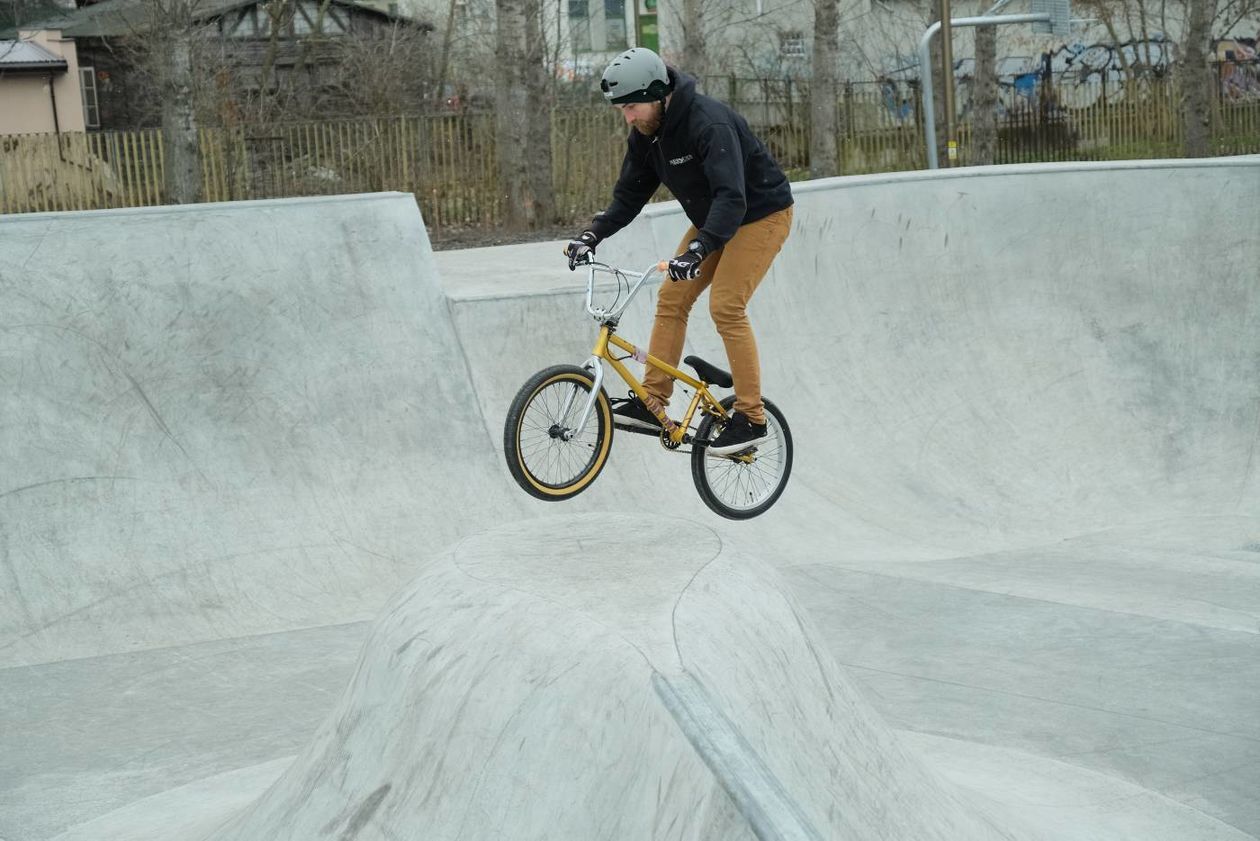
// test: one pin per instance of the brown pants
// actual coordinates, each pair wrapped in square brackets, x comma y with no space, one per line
[733,273]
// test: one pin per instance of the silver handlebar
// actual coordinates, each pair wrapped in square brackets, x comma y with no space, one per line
[599,313]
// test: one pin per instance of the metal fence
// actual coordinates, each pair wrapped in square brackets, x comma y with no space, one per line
[449,160]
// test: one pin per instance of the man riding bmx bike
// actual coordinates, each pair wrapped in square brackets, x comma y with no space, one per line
[740,205]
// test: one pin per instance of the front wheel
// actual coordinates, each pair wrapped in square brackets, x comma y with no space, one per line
[547,456]
[741,486]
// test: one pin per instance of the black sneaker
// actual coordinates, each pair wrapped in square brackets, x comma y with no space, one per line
[631,413]
[739,435]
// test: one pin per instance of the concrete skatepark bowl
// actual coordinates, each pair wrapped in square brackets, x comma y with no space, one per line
[264,575]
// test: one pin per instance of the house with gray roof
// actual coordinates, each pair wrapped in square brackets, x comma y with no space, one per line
[240,38]
[40,85]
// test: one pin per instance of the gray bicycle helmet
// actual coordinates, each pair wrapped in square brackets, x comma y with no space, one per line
[637,75]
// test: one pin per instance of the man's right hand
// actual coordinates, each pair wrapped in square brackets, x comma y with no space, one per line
[581,249]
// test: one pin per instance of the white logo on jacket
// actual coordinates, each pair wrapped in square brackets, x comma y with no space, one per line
[682,160]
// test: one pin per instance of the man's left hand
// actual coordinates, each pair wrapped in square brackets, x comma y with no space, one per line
[686,266]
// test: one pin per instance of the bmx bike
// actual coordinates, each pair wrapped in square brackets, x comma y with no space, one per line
[559,427]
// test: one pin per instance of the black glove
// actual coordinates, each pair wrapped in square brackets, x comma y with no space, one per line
[686,266]
[581,250]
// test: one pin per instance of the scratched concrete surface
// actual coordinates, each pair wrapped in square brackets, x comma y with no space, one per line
[1023,521]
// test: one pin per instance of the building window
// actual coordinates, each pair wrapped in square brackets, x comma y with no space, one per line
[304,16]
[792,44]
[337,22]
[615,25]
[307,15]
[294,20]
[244,23]
[580,25]
[87,88]
[241,24]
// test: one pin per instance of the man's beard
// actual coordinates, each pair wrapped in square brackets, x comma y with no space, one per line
[649,125]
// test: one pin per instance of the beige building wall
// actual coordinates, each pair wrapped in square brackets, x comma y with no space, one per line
[26,104]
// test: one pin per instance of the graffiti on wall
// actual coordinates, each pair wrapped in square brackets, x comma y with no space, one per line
[1239,68]
[1082,64]
[1077,75]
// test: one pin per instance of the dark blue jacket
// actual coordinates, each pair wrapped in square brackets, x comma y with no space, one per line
[705,154]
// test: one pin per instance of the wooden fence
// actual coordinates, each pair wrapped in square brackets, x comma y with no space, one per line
[448,161]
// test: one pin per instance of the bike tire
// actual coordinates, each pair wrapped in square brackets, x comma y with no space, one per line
[544,465]
[738,490]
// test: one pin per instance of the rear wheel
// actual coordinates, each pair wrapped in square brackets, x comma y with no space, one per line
[741,486]
[546,455]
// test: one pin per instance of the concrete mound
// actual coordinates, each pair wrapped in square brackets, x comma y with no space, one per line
[578,678]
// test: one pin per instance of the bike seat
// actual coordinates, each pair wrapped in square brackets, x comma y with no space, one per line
[711,374]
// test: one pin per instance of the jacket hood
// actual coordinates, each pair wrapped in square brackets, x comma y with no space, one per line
[680,101]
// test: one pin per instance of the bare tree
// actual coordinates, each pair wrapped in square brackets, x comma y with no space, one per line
[222,90]
[540,102]
[383,73]
[824,90]
[448,41]
[523,117]
[1196,78]
[938,83]
[179,122]
[1133,22]
[511,114]
[984,98]
[165,48]
[17,13]
[1106,11]
[695,38]
[1230,13]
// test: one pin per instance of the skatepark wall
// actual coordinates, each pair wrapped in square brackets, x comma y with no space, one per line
[1000,356]
[228,420]
[231,419]
[222,420]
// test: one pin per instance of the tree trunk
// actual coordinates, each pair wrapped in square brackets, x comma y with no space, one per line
[984,98]
[1196,79]
[444,62]
[512,114]
[278,13]
[695,51]
[824,90]
[179,121]
[541,199]
[938,85]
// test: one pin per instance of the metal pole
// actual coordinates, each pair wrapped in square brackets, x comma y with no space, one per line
[925,66]
[947,79]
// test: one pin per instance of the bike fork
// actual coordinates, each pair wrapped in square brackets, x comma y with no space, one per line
[596,368]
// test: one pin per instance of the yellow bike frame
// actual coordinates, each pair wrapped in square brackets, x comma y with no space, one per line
[677,431]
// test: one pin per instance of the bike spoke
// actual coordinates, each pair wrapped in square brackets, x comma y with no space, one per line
[553,460]
[743,485]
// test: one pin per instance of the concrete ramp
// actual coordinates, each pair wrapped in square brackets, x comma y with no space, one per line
[661,688]
[1003,356]
[223,420]
[1022,521]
